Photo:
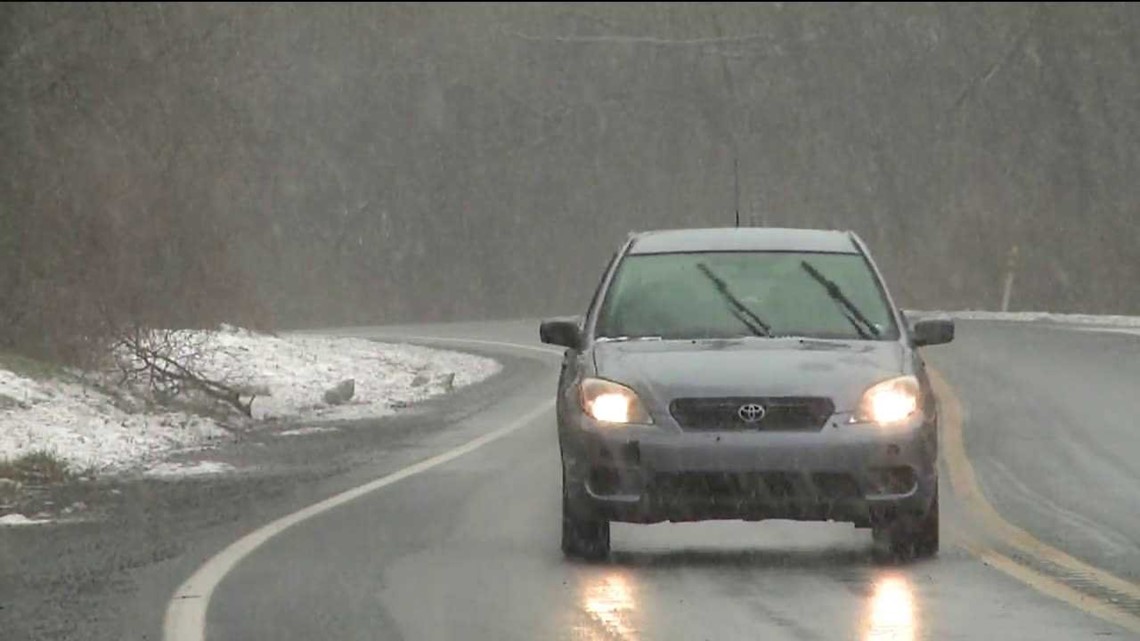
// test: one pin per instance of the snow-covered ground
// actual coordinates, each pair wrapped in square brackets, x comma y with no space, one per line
[197,468]
[90,430]
[9,520]
[85,428]
[298,369]
[306,431]
[1028,317]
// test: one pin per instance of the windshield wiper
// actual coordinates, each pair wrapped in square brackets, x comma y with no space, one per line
[739,309]
[624,339]
[865,328]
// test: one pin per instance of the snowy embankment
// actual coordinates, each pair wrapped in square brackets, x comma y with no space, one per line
[102,428]
[1031,317]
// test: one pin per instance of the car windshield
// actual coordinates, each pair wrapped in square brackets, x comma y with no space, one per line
[737,294]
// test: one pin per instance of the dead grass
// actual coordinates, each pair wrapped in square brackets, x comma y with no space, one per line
[30,368]
[39,467]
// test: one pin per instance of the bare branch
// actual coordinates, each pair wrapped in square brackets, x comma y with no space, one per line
[163,360]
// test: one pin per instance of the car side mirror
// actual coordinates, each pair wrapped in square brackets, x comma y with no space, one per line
[932,331]
[561,331]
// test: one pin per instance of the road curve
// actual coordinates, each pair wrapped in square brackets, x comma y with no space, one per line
[468,548]
[1051,430]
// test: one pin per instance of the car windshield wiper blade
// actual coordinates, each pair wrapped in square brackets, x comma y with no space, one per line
[625,339]
[746,316]
[852,313]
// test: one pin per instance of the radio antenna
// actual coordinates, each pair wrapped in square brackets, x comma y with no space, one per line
[736,186]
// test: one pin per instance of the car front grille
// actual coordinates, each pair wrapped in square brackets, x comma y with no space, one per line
[781,414]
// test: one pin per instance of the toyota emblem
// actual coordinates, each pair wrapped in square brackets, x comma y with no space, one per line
[751,413]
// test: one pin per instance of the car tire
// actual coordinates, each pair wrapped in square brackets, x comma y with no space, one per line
[584,535]
[926,535]
[907,537]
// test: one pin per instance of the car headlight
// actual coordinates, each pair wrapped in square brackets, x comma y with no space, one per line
[609,402]
[890,401]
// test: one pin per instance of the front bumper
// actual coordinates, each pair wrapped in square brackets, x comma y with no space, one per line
[859,473]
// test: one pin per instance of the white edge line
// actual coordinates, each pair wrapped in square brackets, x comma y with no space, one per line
[185,618]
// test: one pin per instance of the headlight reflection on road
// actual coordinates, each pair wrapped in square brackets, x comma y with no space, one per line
[891,615]
[609,601]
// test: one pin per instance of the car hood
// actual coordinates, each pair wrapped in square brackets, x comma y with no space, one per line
[664,370]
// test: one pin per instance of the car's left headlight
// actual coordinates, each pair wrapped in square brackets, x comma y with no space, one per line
[610,402]
[891,401]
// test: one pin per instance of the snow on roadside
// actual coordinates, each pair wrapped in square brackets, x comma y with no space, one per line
[197,468]
[298,369]
[85,428]
[1031,317]
[11,520]
[20,390]
[307,431]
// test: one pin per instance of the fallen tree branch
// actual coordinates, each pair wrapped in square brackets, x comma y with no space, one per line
[164,361]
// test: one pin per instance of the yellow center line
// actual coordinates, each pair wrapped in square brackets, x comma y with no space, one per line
[965,486]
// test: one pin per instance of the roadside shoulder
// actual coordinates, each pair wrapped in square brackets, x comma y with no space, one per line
[111,572]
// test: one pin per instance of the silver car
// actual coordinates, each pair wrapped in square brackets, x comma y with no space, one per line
[747,373]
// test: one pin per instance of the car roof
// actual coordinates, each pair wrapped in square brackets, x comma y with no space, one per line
[728,239]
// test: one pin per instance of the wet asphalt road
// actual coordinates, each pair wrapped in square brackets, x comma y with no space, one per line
[469,549]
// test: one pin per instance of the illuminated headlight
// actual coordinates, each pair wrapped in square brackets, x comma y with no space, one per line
[891,401]
[608,402]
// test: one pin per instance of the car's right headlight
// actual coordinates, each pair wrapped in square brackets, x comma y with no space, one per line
[609,402]
[890,402]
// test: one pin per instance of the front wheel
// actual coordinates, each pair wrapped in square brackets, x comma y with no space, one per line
[584,536]
[906,537]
